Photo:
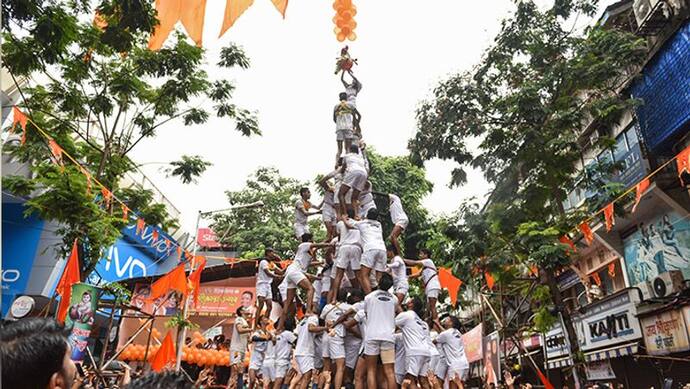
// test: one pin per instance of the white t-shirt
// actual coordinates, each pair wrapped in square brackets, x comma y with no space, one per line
[302,256]
[317,290]
[453,347]
[270,353]
[328,202]
[379,307]
[398,215]
[260,345]
[238,342]
[326,279]
[344,113]
[400,368]
[352,90]
[305,339]
[331,312]
[283,347]
[430,275]
[433,350]
[415,332]
[371,234]
[261,276]
[399,272]
[354,162]
[348,236]
[361,319]
[300,212]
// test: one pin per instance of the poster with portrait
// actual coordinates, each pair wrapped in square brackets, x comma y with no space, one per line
[223,300]
[658,245]
[492,358]
[80,318]
[164,306]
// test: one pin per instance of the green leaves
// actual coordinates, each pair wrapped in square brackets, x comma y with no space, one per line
[188,168]
[233,55]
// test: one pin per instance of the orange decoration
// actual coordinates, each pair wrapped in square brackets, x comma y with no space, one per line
[587,233]
[344,22]
[490,281]
[141,224]
[566,240]
[107,196]
[154,235]
[189,12]
[450,282]
[612,269]
[56,151]
[640,188]
[195,279]
[597,279]
[165,356]
[125,212]
[175,280]
[608,215]
[19,117]
[70,276]
[233,10]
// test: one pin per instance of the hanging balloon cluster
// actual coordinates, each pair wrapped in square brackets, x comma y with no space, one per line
[344,20]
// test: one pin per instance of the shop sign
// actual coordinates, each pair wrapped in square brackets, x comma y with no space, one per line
[665,333]
[599,370]
[567,280]
[222,300]
[611,321]
[472,341]
[556,343]
[207,238]
[21,306]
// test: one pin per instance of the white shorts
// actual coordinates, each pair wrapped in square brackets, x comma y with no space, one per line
[328,217]
[401,289]
[344,134]
[282,369]
[355,179]
[305,363]
[294,277]
[417,365]
[399,378]
[236,357]
[433,363]
[256,360]
[336,347]
[353,345]
[402,223]
[441,369]
[432,293]
[349,257]
[268,370]
[300,229]
[374,259]
[264,290]
[325,351]
[458,372]
[374,347]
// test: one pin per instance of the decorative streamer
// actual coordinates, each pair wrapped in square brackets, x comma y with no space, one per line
[587,233]
[608,215]
[640,188]
[189,12]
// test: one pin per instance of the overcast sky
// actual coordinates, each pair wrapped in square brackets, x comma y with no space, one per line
[404,49]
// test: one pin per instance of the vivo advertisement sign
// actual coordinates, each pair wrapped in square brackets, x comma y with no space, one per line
[134,256]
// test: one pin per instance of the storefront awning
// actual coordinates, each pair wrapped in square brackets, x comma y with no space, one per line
[560,362]
[612,352]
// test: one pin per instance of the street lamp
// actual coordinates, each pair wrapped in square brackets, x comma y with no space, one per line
[182,334]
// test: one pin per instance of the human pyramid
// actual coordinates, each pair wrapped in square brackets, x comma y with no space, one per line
[360,327]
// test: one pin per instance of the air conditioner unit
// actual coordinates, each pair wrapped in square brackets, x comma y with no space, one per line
[642,8]
[667,283]
[646,289]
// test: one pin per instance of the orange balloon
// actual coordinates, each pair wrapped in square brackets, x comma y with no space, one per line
[346,30]
[341,37]
[352,36]
[353,11]
[352,24]
[347,15]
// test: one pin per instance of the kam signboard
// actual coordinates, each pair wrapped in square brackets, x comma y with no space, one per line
[610,321]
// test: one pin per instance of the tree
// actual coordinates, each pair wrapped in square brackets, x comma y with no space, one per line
[188,168]
[102,92]
[527,102]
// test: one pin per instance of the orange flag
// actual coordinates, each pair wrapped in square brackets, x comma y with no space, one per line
[534,270]
[70,276]
[640,188]
[683,163]
[107,196]
[179,252]
[490,281]
[281,6]
[566,240]
[154,235]
[612,269]
[174,280]
[189,12]
[596,278]
[608,215]
[125,212]
[19,117]
[141,225]
[233,10]
[165,357]
[195,278]
[587,232]
[56,150]
[545,381]
[450,282]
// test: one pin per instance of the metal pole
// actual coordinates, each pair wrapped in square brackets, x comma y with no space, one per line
[182,332]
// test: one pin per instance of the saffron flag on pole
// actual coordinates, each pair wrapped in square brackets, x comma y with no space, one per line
[189,12]
[587,233]
[566,240]
[450,282]
[70,276]
[141,225]
[195,278]
[640,188]
[174,280]
[544,380]
[609,217]
[165,357]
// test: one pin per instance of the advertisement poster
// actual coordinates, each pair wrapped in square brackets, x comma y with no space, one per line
[658,245]
[472,341]
[80,318]
[492,358]
[665,333]
[599,370]
[223,300]
[164,305]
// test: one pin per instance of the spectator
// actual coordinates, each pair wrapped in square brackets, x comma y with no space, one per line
[166,380]
[35,354]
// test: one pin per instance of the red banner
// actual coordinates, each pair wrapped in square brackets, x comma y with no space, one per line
[207,238]
[223,300]
[472,340]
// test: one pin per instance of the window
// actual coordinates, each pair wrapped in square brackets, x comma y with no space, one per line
[631,135]
[621,148]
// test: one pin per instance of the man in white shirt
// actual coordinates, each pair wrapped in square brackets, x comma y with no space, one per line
[238,344]
[260,340]
[454,350]
[328,214]
[284,343]
[354,178]
[349,253]
[415,333]
[336,336]
[264,279]
[398,218]
[352,90]
[366,200]
[429,274]
[398,270]
[305,351]
[302,213]
[373,248]
[345,114]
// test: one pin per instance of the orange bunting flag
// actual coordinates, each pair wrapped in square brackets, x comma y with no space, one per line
[189,12]
[99,21]
[70,276]
[612,269]
[596,278]
[281,6]
[490,281]
[640,188]
[165,356]
[544,380]
[88,182]
[608,215]
[195,278]
[534,270]
[167,244]
[174,280]
[233,10]
[587,233]
[125,213]
[566,240]
[450,282]
[19,117]
[141,225]
[179,252]
[107,196]
[683,163]
[154,235]
[300,313]
[56,151]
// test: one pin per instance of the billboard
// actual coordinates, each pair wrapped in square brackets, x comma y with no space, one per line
[80,318]
[472,340]
[223,300]
[162,306]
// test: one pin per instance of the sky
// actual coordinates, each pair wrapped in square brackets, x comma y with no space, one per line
[404,49]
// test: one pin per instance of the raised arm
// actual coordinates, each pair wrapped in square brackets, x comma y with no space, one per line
[317,329]
[412,262]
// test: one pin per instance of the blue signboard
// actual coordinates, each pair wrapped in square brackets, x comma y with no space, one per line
[20,238]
